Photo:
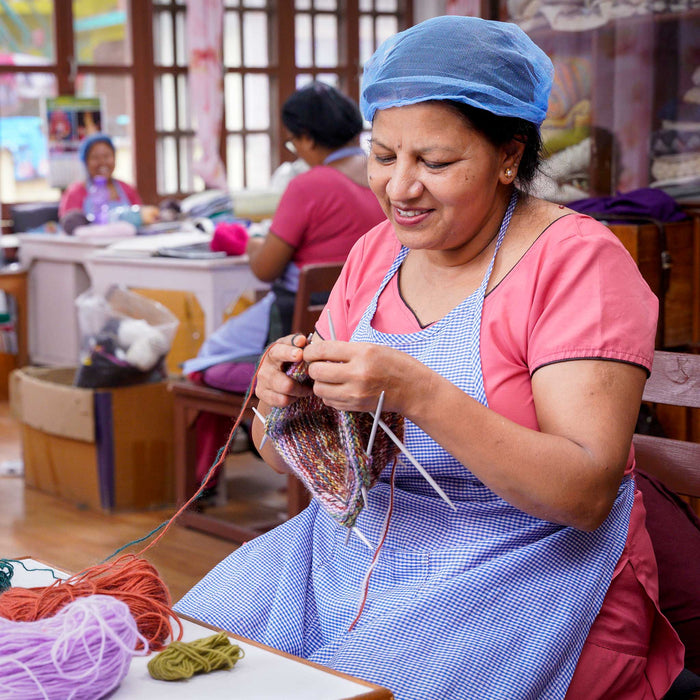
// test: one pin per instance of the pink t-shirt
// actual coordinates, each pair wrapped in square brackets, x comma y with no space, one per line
[75,194]
[576,293]
[322,213]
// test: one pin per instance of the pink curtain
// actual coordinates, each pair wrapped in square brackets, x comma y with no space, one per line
[204,26]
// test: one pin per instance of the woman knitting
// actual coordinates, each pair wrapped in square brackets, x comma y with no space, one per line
[320,216]
[514,336]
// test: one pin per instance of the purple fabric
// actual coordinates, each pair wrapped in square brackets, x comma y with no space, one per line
[646,202]
[230,376]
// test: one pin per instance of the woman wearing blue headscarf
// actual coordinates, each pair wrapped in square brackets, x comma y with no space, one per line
[97,153]
[514,336]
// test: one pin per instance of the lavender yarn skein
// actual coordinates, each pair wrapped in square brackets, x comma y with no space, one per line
[81,653]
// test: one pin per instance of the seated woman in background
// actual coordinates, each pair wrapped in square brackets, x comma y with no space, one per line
[514,336]
[98,155]
[321,214]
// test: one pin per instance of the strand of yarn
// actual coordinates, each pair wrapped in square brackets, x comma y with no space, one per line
[82,653]
[131,579]
[218,461]
[7,570]
[325,448]
[375,556]
[6,573]
[182,660]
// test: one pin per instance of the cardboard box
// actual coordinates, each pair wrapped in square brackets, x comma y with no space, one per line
[109,449]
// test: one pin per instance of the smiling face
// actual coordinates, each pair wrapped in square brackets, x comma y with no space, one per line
[442,184]
[100,160]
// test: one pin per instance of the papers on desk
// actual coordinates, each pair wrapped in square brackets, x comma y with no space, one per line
[148,246]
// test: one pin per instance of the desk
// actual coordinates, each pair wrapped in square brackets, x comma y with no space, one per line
[13,280]
[199,292]
[56,277]
[216,282]
[262,674]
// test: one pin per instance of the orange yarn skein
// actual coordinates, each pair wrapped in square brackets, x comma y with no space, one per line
[131,579]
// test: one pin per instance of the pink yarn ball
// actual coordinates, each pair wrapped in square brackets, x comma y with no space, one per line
[231,238]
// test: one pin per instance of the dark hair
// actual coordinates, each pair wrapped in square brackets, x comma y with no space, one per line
[320,111]
[501,130]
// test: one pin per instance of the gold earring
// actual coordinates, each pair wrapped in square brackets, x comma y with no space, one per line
[509,172]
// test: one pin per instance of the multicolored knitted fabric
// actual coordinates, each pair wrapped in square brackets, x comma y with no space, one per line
[326,449]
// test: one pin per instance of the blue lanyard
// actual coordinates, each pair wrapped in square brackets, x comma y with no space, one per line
[344,153]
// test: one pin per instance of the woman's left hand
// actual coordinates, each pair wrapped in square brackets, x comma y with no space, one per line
[351,376]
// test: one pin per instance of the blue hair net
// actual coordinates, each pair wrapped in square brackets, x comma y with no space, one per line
[87,143]
[490,65]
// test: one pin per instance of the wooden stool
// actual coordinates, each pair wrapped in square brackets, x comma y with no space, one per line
[189,401]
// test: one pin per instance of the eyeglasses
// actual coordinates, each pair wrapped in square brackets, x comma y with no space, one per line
[290,147]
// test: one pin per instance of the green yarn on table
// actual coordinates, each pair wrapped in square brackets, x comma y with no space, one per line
[182,660]
[6,572]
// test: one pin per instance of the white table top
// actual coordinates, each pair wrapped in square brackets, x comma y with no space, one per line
[262,674]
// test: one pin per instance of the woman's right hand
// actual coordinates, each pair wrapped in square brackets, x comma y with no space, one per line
[273,387]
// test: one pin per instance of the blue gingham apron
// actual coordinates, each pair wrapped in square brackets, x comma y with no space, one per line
[485,602]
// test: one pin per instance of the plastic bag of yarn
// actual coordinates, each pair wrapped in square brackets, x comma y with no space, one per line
[326,449]
[83,652]
[125,338]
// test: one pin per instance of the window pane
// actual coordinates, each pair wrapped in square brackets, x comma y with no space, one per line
[326,40]
[163,39]
[189,152]
[365,5]
[302,4]
[302,41]
[166,165]
[231,3]
[233,97]
[325,4]
[366,38]
[386,5]
[254,3]
[165,102]
[303,79]
[232,40]
[117,115]
[23,146]
[101,35]
[27,32]
[257,102]
[180,39]
[183,104]
[257,161]
[329,79]
[386,27]
[234,163]
[255,51]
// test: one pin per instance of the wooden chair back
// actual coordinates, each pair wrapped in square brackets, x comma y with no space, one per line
[675,381]
[313,280]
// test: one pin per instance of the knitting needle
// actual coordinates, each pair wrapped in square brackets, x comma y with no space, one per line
[331,328]
[373,433]
[413,461]
[262,420]
[362,537]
